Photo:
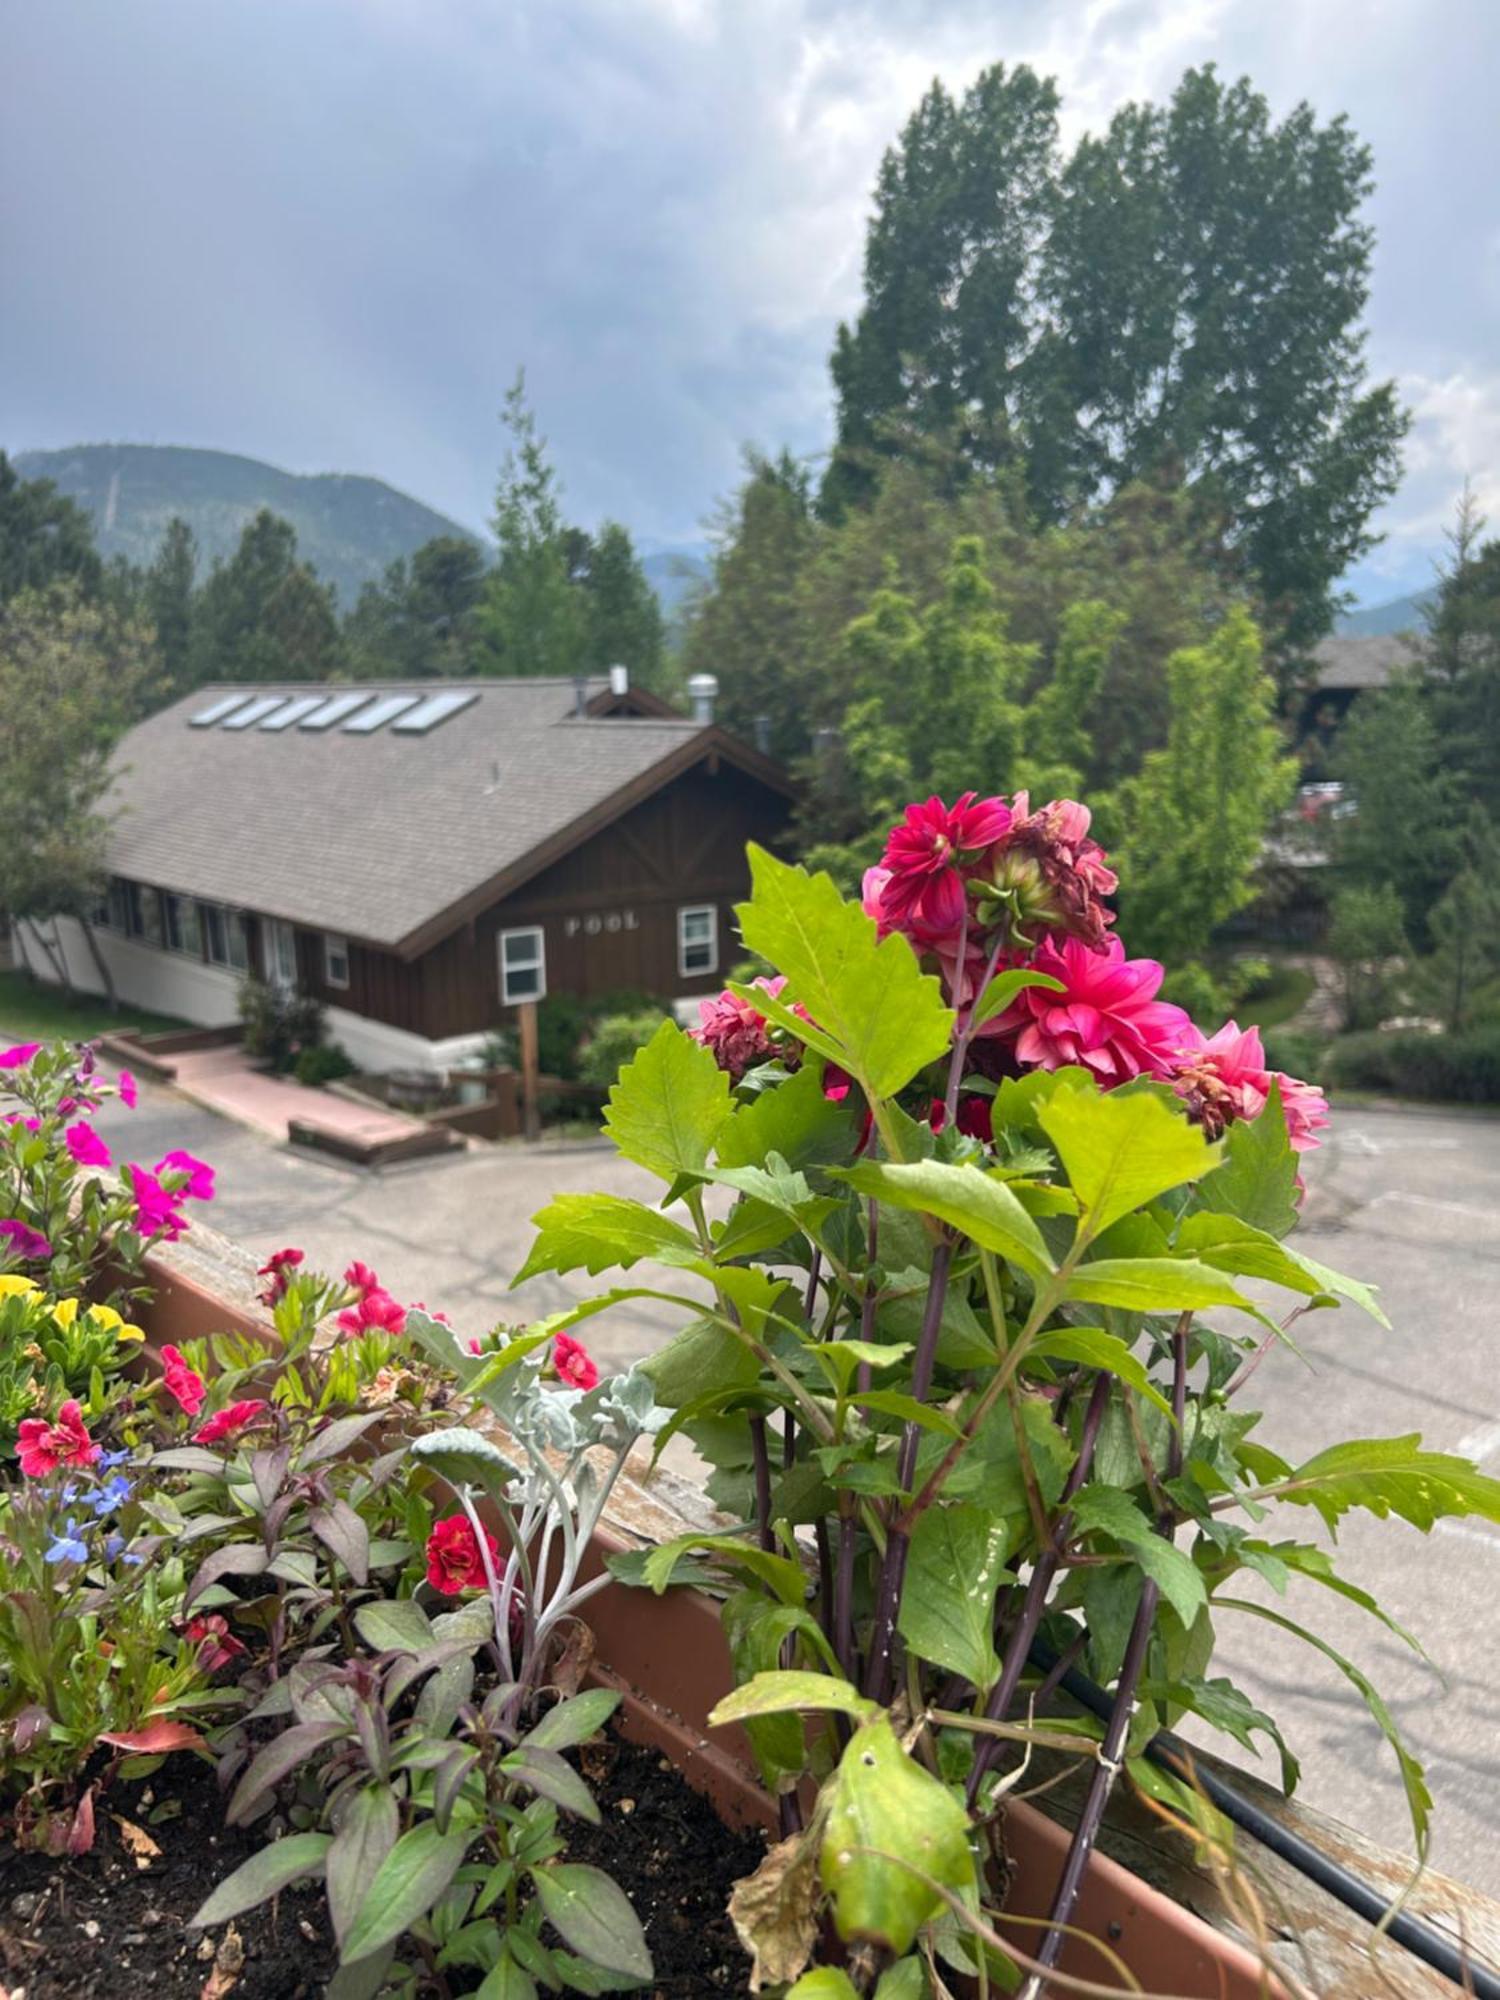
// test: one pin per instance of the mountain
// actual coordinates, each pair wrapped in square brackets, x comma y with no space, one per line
[1402,614]
[674,571]
[348,527]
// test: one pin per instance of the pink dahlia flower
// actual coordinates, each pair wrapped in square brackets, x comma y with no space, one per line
[737,1034]
[1222,1077]
[1107,1017]
[1048,875]
[924,893]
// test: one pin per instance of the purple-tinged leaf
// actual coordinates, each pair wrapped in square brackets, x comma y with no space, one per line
[367,1832]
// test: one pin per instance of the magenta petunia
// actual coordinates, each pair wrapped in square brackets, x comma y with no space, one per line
[19,1240]
[19,1055]
[87,1148]
[156,1210]
[199,1184]
[128,1091]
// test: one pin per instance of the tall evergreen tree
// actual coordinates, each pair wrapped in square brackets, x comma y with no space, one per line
[417,621]
[263,615]
[168,601]
[45,538]
[1407,803]
[1182,296]
[532,618]
[625,625]
[1461,659]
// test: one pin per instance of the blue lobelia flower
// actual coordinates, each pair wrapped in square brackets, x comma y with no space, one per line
[114,1493]
[67,1547]
[108,1460]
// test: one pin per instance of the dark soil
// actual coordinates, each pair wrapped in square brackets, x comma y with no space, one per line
[677,1863]
[103,1928]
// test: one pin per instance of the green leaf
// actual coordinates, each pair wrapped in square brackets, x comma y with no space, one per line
[1413,1777]
[782,1576]
[573,1721]
[371,1825]
[1004,987]
[262,1876]
[552,1777]
[1153,1284]
[786,1691]
[1308,1560]
[703,1360]
[597,1232]
[795,1120]
[886,1016]
[407,1883]
[1224,1706]
[1106,1510]
[985,1209]
[669,1105]
[1226,1243]
[907,1410]
[1390,1476]
[888,1817]
[827,1983]
[466,1458]
[948,1603]
[1097,1349]
[591,1913]
[394,1625]
[840,1358]
[506,1981]
[1122,1149]
[1258,1180]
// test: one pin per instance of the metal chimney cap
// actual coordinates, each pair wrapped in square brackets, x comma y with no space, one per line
[706,685]
[619,680]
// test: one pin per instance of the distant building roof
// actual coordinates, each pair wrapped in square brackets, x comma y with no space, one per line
[377,817]
[1363,662]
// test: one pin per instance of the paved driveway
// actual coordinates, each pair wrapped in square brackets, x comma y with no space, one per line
[1408,1199]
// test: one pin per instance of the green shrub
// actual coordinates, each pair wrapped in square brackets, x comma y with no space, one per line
[564,1023]
[323,1063]
[1195,988]
[614,1041]
[1456,1069]
[1296,1052]
[278,1027]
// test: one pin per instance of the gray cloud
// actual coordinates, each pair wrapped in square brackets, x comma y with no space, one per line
[325,232]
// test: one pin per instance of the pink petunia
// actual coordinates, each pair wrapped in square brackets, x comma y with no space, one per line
[128,1091]
[87,1148]
[19,1240]
[183,1383]
[230,1422]
[19,1055]
[199,1182]
[1107,1016]
[156,1210]
[44,1447]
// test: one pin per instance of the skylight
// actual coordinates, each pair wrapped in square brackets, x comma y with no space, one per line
[283,718]
[263,705]
[335,708]
[435,709]
[370,719]
[217,710]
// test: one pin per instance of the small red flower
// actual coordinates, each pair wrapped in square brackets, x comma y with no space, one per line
[44,1447]
[277,1267]
[360,1278]
[216,1644]
[182,1382]
[573,1362]
[454,1562]
[230,1422]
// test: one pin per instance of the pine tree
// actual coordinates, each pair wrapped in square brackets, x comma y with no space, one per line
[1402,830]
[263,615]
[532,618]
[45,538]
[625,624]
[168,601]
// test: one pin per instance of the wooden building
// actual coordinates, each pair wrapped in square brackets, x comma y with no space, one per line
[422,857]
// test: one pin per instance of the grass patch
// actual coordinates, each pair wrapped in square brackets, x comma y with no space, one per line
[31,1011]
[1283,995]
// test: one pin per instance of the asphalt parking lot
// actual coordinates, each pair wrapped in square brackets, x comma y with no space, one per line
[1407,1199]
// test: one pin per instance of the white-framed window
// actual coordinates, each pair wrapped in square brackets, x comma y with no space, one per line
[280,948]
[697,940]
[335,960]
[184,933]
[224,936]
[152,929]
[523,965]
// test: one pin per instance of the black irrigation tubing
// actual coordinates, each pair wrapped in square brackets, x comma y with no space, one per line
[1419,1938]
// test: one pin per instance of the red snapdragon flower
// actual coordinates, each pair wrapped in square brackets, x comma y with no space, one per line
[1222,1077]
[454,1562]
[276,1268]
[923,893]
[19,1240]
[228,1423]
[183,1383]
[573,1362]
[85,1145]
[216,1644]
[44,1447]
[1107,1016]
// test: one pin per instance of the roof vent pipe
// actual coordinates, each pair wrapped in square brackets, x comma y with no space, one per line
[704,689]
[763,735]
[619,680]
[580,694]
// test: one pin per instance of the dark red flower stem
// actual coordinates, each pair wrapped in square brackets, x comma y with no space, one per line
[1043,1570]
[1117,1729]
[760,1449]
[879,1674]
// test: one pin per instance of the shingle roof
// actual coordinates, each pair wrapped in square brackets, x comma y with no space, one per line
[1365,662]
[375,836]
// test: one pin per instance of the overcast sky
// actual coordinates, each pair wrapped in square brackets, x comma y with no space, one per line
[326,232]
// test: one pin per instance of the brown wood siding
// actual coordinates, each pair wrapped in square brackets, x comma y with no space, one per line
[382,987]
[609,909]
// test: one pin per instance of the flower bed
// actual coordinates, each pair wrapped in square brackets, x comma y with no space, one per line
[945,1353]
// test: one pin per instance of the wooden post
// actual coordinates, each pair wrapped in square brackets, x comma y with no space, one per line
[530,1070]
